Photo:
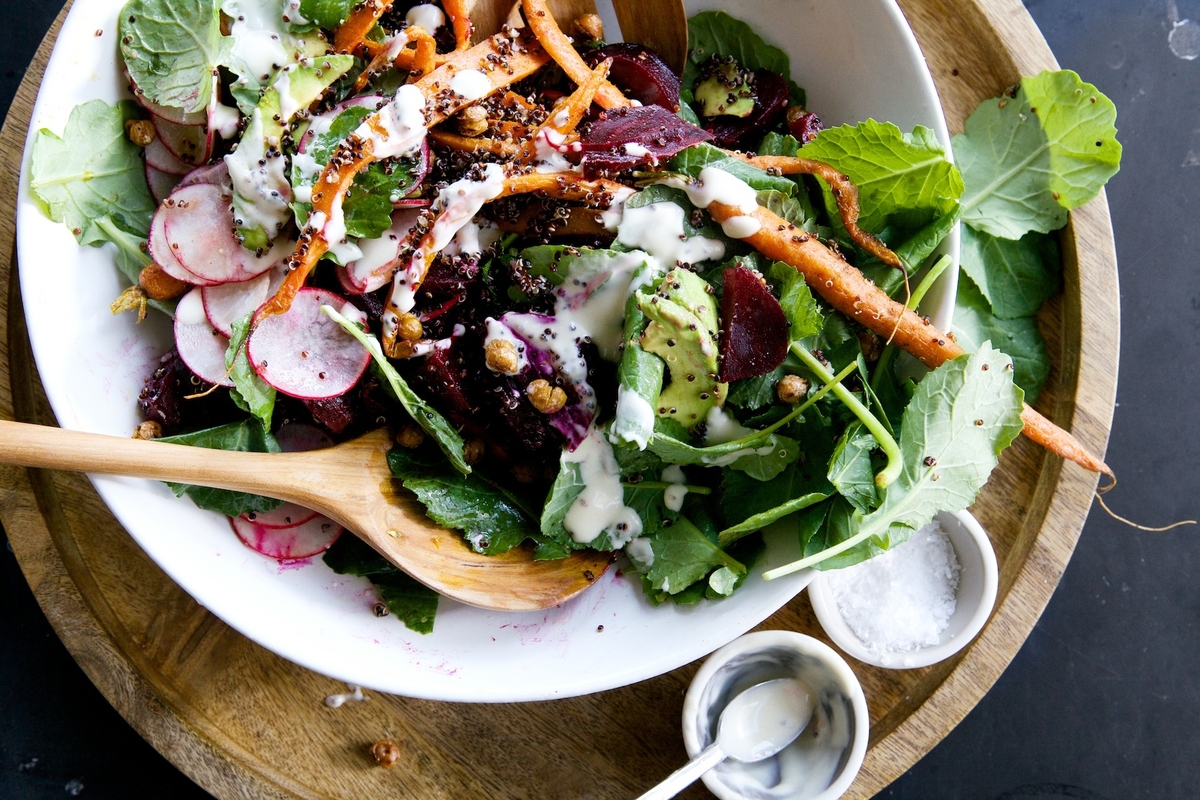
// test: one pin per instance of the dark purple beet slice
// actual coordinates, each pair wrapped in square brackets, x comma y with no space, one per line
[804,126]
[655,133]
[164,399]
[736,132]
[754,329]
[640,73]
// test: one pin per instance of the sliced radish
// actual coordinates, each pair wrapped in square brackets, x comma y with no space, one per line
[300,437]
[161,183]
[201,346]
[380,256]
[412,202]
[226,303]
[305,354]
[199,228]
[159,157]
[191,144]
[216,174]
[288,544]
[161,252]
[287,515]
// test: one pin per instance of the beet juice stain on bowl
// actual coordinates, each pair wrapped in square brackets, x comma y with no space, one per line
[638,641]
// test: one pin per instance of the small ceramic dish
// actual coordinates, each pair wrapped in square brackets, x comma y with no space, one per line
[822,762]
[976,596]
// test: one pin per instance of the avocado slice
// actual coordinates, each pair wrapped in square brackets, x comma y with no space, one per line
[725,89]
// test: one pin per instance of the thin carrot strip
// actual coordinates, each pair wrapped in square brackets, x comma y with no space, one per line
[514,59]
[474,144]
[350,35]
[568,113]
[844,287]
[559,46]
[460,20]
[845,193]
[424,58]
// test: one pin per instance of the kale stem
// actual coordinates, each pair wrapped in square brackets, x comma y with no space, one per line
[892,450]
[828,553]
[664,485]
[889,352]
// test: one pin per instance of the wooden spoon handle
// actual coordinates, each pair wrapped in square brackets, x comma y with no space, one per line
[57,448]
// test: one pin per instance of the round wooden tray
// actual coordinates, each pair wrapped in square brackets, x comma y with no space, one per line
[243,722]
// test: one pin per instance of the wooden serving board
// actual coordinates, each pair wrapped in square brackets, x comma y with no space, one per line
[243,722]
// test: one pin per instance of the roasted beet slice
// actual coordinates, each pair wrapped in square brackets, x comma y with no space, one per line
[804,125]
[640,73]
[738,132]
[624,138]
[165,399]
[754,329]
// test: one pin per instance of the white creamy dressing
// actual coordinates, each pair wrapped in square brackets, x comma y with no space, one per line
[261,191]
[658,229]
[400,127]
[283,86]
[291,13]
[720,428]
[600,507]
[258,36]
[764,719]
[740,227]
[334,234]
[426,16]
[393,44]
[355,695]
[374,268]
[675,493]
[497,330]
[470,84]
[641,552]
[635,149]
[473,238]
[548,152]
[223,119]
[634,421]
[612,216]
[718,186]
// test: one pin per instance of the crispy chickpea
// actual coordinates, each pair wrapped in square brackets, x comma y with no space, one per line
[385,753]
[472,121]
[158,285]
[140,131]
[473,450]
[872,346]
[410,435]
[148,430]
[524,473]
[410,328]
[590,27]
[791,389]
[546,398]
[502,357]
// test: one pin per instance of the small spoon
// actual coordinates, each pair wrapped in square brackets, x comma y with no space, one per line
[756,724]
[349,483]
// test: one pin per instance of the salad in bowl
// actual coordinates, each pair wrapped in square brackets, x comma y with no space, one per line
[600,305]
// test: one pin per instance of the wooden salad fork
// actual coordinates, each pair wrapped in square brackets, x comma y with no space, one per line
[350,483]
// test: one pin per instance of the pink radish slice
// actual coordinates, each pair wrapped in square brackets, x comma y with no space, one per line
[161,183]
[159,157]
[380,256]
[161,252]
[216,174]
[287,515]
[199,228]
[305,354]
[226,303]
[201,346]
[288,544]
[413,202]
[191,144]
[300,437]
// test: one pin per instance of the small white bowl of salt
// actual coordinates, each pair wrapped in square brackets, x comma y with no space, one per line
[916,604]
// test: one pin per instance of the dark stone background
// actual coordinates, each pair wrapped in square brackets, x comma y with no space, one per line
[1101,703]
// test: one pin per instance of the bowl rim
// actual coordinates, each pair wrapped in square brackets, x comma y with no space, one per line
[801,643]
[835,627]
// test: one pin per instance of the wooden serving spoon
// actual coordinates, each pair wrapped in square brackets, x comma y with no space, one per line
[349,483]
[660,25]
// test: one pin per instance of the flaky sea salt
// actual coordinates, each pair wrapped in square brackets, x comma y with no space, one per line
[903,599]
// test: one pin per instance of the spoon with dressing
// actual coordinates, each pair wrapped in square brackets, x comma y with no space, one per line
[349,483]
[756,724]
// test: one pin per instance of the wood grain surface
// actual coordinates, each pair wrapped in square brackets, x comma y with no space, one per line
[244,723]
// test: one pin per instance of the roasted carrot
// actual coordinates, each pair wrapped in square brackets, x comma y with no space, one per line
[349,36]
[424,57]
[474,144]
[559,46]
[511,60]
[844,287]
[567,114]
[460,21]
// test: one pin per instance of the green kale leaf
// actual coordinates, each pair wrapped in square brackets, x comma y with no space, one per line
[682,556]
[326,14]
[799,306]
[413,603]
[172,49]
[974,324]
[1015,275]
[1028,159]
[250,392]
[93,172]
[716,33]
[851,472]
[247,436]
[691,161]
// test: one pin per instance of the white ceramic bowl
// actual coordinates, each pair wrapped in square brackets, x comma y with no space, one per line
[822,762]
[976,597]
[857,60]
